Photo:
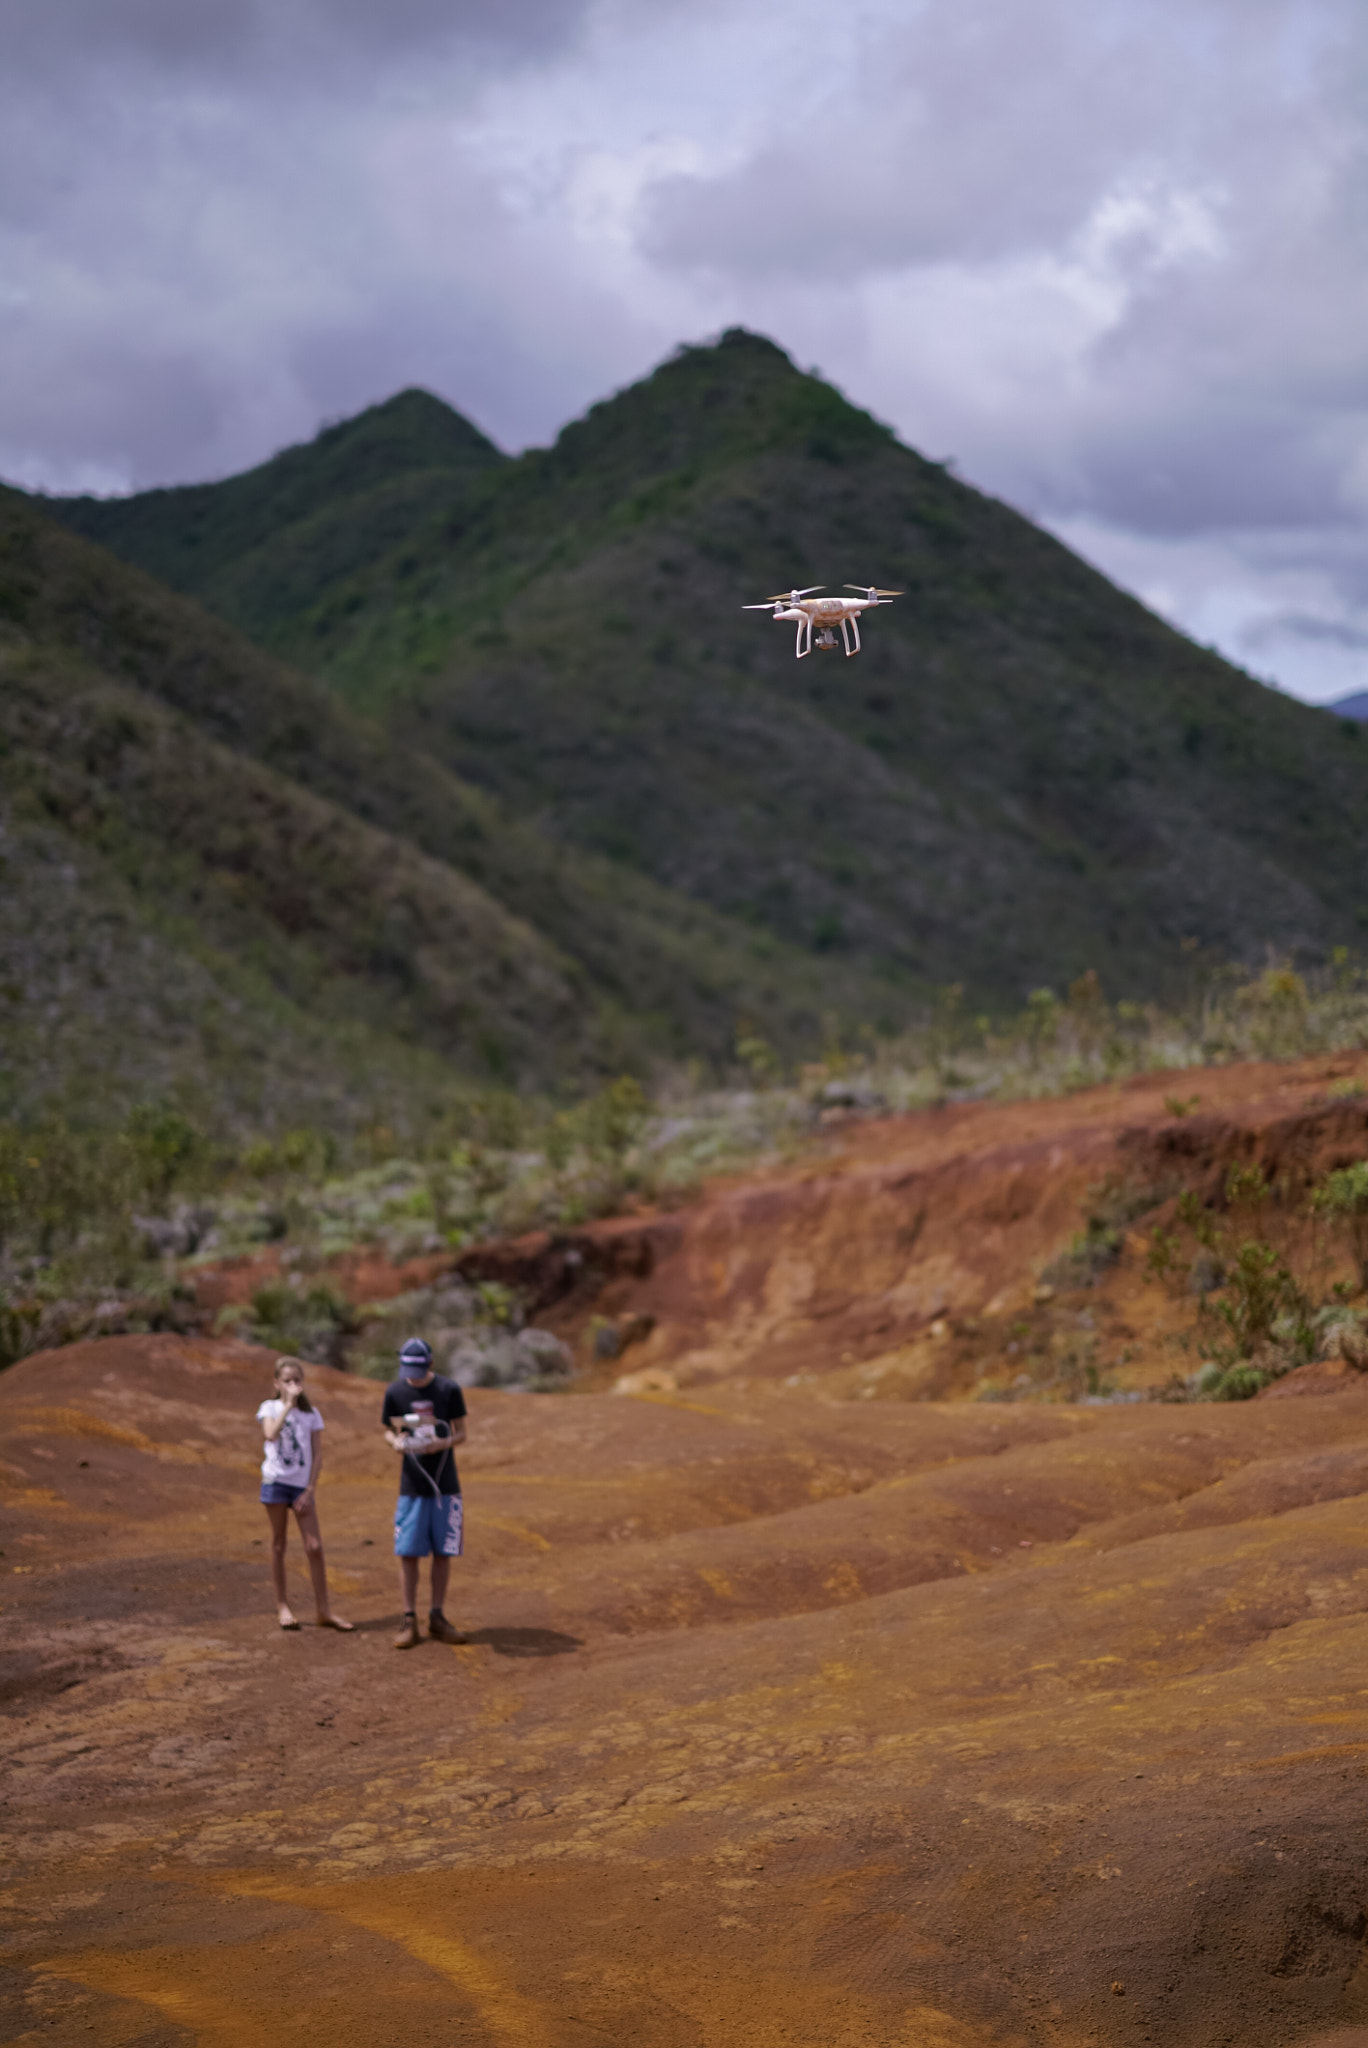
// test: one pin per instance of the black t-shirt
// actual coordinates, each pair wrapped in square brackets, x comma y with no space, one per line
[448,1405]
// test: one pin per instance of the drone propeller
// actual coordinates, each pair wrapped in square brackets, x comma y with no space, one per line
[868,590]
[784,597]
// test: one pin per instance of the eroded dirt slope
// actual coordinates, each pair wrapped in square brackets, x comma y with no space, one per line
[900,1258]
[906,1253]
[782,1720]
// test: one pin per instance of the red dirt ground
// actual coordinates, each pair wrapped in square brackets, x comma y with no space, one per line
[785,1716]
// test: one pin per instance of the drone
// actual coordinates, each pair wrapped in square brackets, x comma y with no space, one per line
[826,613]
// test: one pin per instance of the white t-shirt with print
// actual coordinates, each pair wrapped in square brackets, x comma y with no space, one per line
[289,1460]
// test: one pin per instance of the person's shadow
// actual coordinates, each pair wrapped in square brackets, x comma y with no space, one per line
[524,1642]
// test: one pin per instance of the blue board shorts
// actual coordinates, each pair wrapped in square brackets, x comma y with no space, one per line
[275,1493]
[428,1525]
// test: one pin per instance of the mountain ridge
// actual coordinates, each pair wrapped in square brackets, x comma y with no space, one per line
[1025,775]
[234,818]
[242,544]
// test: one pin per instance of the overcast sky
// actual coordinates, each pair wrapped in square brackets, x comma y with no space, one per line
[1108,254]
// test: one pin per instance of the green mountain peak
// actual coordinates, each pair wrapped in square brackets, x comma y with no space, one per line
[709,404]
[254,546]
[217,877]
[1024,775]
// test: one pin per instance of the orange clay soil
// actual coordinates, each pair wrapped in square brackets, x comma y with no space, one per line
[785,1716]
[907,1251]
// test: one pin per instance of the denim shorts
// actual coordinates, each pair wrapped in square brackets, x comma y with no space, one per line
[428,1523]
[275,1493]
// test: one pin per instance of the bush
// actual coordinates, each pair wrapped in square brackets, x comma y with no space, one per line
[1231,1382]
[168,1150]
[1262,1305]
[1277,1013]
[1088,1256]
[1342,1198]
[1112,1205]
[311,1324]
[19,1322]
[615,1118]
[1040,1024]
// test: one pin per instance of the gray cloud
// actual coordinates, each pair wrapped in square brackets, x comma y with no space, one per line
[1304,626]
[178,38]
[1181,188]
[198,262]
[1110,256]
[982,130]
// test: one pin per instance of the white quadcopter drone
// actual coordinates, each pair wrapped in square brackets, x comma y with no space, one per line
[826,613]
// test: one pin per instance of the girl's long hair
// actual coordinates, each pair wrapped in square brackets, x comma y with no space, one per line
[303,1402]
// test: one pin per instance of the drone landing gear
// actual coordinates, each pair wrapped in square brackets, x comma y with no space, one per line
[854,626]
[804,633]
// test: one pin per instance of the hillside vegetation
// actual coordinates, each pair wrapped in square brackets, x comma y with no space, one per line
[258,547]
[220,878]
[1025,775]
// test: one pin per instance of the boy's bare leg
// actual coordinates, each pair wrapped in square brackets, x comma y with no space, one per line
[408,1583]
[312,1536]
[279,1516]
[439,1624]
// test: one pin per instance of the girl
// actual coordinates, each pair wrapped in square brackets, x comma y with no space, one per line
[292,1427]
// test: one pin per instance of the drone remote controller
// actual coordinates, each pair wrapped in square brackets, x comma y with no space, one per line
[422,1431]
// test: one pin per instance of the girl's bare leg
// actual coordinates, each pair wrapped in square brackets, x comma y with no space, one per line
[279,1516]
[307,1517]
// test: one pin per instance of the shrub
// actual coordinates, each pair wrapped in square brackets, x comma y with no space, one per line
[18,1326]
[1112,1205]
[1088,1256]
[1262,1303]
[945,1033]
[615,1118]
[1276,1011]
[167,1149]
[758,1057]
[308,1323]
[1088,1015]
[260,1158]
[1342,1198]
[1162,1260]
[1040,1024]
[1233,1382]
[1199,1220]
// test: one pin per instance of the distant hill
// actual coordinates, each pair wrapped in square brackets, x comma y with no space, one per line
[1026,774]
[1355,705]
[257,548]
[217,876]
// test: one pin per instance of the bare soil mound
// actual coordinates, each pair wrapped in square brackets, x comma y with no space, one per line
[783,1716]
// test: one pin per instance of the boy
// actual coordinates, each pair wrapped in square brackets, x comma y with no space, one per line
[427,1517]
